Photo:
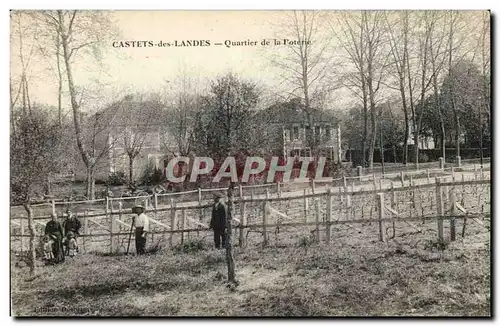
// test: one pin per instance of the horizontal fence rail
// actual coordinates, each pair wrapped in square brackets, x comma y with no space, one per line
[286,215]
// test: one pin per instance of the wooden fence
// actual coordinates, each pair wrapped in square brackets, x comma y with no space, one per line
[296,213]
[202,195]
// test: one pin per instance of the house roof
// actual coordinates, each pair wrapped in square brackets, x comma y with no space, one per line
[133,112]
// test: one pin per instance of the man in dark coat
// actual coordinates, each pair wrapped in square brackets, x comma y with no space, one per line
[71,224]
[218,221]
[54,230]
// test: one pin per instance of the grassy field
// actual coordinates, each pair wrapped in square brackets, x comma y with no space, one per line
[356,275]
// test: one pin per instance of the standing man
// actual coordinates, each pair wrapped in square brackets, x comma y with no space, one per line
[218,221]
[141,229]
[73,225]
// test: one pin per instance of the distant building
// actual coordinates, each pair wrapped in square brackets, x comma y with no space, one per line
[127,125]
[424,141]
[291,122]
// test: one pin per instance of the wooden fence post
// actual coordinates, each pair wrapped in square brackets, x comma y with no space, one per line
[329,216]
[428,176]
[113,226]
[313,186]
[200,217]
[172,221]
[155,203]
[341,198]
[199,195]
[453,212]
[53,206]
[440,208]
[318,213]
[381,216]
[243,224]
[345,181]
[306,205]
[393,197]
[264,226]
[279,189]
[402,176]
[85,230]
[107,205]
[453,173]
[183,225]
[240,188]
[21,225]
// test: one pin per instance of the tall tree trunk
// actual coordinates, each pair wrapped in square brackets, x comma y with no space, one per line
[90,189]
[457,132]
[229,238]
[407,136]
[32,241]
[76,110]
[131,168]
[452,93]
[60,80]
[365,127]
[371,95]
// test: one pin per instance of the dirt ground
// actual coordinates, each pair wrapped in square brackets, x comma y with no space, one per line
[355,275]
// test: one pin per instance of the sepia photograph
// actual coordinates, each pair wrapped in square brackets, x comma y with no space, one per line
[258,163]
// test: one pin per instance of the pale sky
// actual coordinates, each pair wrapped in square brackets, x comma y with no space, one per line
[145,69]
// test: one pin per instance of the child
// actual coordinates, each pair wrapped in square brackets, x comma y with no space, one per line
[72,245]
[48,253]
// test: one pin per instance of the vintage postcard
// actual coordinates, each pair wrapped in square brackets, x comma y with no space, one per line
[250,163]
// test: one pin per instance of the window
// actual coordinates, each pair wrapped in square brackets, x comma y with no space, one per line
[296,132]
[328,132]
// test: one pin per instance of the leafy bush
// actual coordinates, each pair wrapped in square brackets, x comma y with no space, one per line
[152,175]
[117,179]
[191,246]
[305,242]
[423,158]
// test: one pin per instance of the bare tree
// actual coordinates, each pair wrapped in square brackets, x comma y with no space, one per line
[181,105]
[306,66]
[485,67]
[137,122]
[455,53]
[352,40]
[399,48]
[77,32]
[363,38]
[421,78]
[22,35]
[437,58]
